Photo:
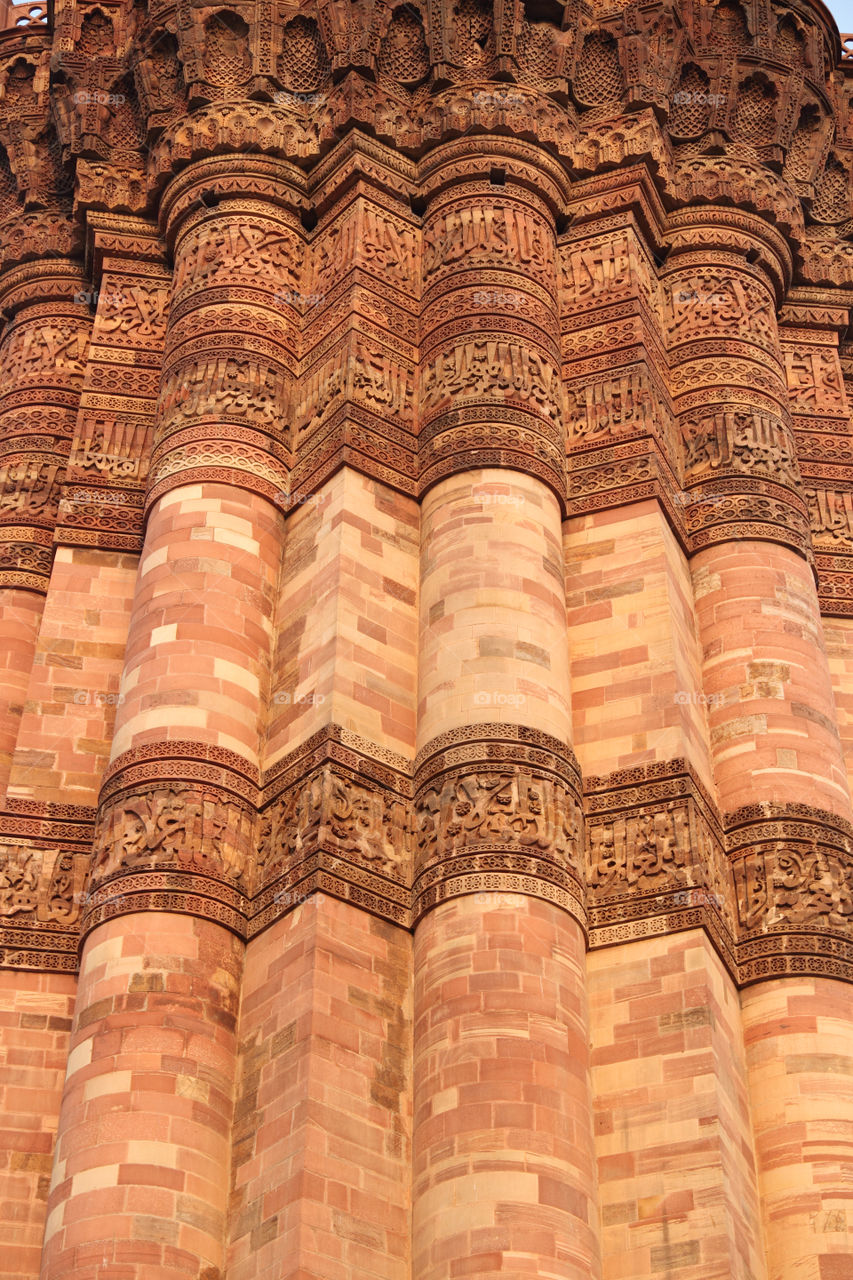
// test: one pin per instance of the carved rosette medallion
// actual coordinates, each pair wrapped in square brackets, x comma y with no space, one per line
[335,819]
[497,808]
[793,875]
[490,388]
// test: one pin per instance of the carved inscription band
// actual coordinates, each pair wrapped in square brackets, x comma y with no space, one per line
[489,810]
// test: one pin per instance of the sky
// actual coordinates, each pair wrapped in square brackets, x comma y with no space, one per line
[842,12]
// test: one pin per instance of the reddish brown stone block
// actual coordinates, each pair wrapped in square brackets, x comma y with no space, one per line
[426,695]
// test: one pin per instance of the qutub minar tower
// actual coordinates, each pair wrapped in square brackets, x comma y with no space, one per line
[426,640]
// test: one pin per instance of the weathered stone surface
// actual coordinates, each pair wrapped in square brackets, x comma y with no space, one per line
[426,641]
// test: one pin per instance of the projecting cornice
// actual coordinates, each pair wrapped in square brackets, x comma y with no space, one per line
[741,103]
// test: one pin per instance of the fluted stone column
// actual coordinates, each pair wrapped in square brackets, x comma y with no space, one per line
[146,1184]
[43,350]
[663,1002]
[778,764]
[42,362]
[503,1166]
[322,1134]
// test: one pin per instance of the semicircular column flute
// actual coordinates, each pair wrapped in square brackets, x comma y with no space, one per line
[770,699]
[145,1127]
[42,362]
[503,1178]
[489,388]
[778,763]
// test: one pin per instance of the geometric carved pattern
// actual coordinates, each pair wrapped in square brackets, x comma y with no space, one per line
[489,808]
[498,808]
[598,76]
[349,289]
[793,873]
[656,859]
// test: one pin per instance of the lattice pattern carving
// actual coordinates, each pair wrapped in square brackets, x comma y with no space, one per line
[165,72]
[755,112]
[691,104]
[226,50]
[126,130]
[304,61]
[790,45]
[404,55]
[832,201]
[800,160]
[598,75]
[729,31]
[474,33]
[8,187]
[97,36]
[538,51]
[18,91]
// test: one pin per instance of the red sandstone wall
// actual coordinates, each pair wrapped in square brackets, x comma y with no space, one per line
[773,717]
[35,1022]
[800,1053]
[322,1131]
[345,648]
[676,1164]
[74,688]
[497,434]
[21,619]
[504,1176]
[140,1178]
[838,635]
[637,691]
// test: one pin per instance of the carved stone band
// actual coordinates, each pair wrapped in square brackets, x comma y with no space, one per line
[337,818]
[498,809]
[175,818]
[656,857]
[44,859]
[793,876]
[493,809]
